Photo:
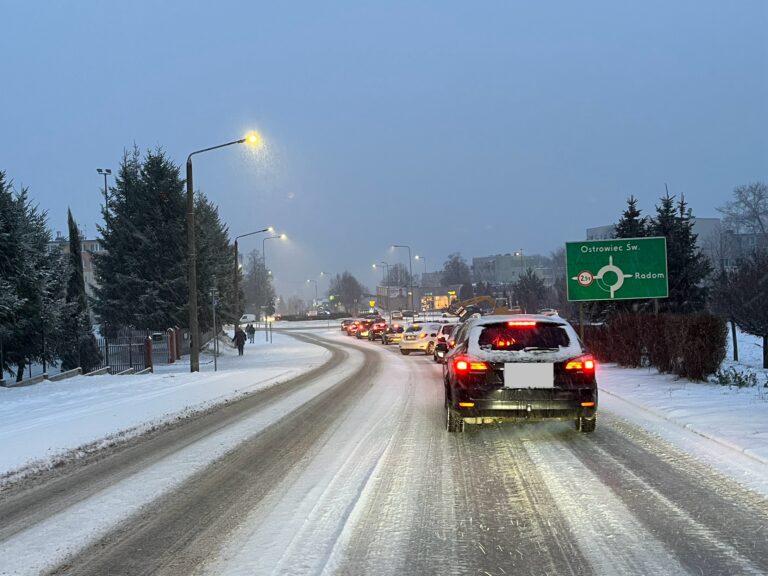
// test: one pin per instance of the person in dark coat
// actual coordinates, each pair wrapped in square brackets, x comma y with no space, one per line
[239,340]
[251,332]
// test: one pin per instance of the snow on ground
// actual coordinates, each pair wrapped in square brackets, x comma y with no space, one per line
[41,423]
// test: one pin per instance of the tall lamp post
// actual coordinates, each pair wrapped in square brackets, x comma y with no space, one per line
[237,272]
[423,259]
[106,172]
[410,270]
[315,281]
[522,261]
[386,288]
[194,337]
[263,246]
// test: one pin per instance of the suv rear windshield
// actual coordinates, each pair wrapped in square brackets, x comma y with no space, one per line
[448,329]
[414,328]
[542,335]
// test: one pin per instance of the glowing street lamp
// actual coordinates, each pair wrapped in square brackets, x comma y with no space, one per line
[194,337]
[522,261]
[315,281]
[237,272]
[263,246]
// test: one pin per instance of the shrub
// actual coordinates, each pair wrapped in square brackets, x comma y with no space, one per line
[691,346]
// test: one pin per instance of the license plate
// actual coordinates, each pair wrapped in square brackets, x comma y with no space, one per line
[529,375]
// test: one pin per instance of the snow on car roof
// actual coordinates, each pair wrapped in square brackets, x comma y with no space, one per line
[573,349]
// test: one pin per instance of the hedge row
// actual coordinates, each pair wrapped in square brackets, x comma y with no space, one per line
[692,346]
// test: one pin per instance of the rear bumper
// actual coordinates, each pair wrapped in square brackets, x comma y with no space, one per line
[414,345]
[530,404]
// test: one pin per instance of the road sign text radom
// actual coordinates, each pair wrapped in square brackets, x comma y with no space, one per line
[619,269]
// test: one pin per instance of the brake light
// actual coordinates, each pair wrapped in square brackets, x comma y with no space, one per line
[521,323]
[464,365]
[584,363]
[423,335]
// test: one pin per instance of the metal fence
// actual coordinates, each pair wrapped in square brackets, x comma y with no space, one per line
[141,349]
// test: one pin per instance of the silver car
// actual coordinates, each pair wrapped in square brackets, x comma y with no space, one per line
[419,337]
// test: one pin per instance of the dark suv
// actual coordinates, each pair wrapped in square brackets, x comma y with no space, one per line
[518,368]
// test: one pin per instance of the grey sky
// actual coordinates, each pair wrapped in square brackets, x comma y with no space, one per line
[449,126]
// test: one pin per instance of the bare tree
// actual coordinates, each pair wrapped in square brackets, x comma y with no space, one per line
[748,301]
[748,211]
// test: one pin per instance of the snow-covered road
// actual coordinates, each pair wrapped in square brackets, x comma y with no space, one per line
[348,470]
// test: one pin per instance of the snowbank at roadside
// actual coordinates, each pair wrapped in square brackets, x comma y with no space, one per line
[41,423]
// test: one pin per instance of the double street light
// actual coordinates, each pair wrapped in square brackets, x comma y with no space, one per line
[106,172]
[237,272]
[194,336]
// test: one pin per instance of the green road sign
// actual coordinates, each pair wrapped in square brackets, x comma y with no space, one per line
[619,269]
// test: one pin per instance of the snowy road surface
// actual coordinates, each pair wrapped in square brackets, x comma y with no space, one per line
[348,470]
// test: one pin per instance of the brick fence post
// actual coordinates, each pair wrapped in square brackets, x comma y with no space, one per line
[148,353]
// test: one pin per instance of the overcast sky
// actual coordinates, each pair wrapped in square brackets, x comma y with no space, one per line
[472,127]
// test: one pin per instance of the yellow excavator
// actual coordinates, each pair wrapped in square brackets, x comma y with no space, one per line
[483,306]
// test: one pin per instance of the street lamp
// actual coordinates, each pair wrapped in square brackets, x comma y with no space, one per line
[194,341]
[315,281]
[106,172]
[237,272]
[423,259]
[263,242]
[410,270]
[522,261]
[386,287]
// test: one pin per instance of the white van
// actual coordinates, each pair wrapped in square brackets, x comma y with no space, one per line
[247,319]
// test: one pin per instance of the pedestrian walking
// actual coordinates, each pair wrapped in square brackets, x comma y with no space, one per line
[239,340]
[251,332]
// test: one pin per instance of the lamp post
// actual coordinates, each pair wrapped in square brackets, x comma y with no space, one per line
[423,259]
[386,288]
[522,261]
[315,281]
[194,342]
[263,246]
[106,172]
[237,273]
[410,270]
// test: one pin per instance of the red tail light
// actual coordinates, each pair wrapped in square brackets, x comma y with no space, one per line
[585,363]
[464,365]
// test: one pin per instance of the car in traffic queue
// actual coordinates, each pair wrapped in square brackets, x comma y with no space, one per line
[363,329]
[419,337]
[351,328]
[443,336]
[518,368]
[396,315]
[346,322]
[393,334]
[378,328]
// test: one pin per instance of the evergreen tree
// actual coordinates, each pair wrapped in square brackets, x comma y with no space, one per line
[143,272]
[687,267]
[77,345]
[257,284]
[631,224]
[215,265]
[529,291]
[30,283]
